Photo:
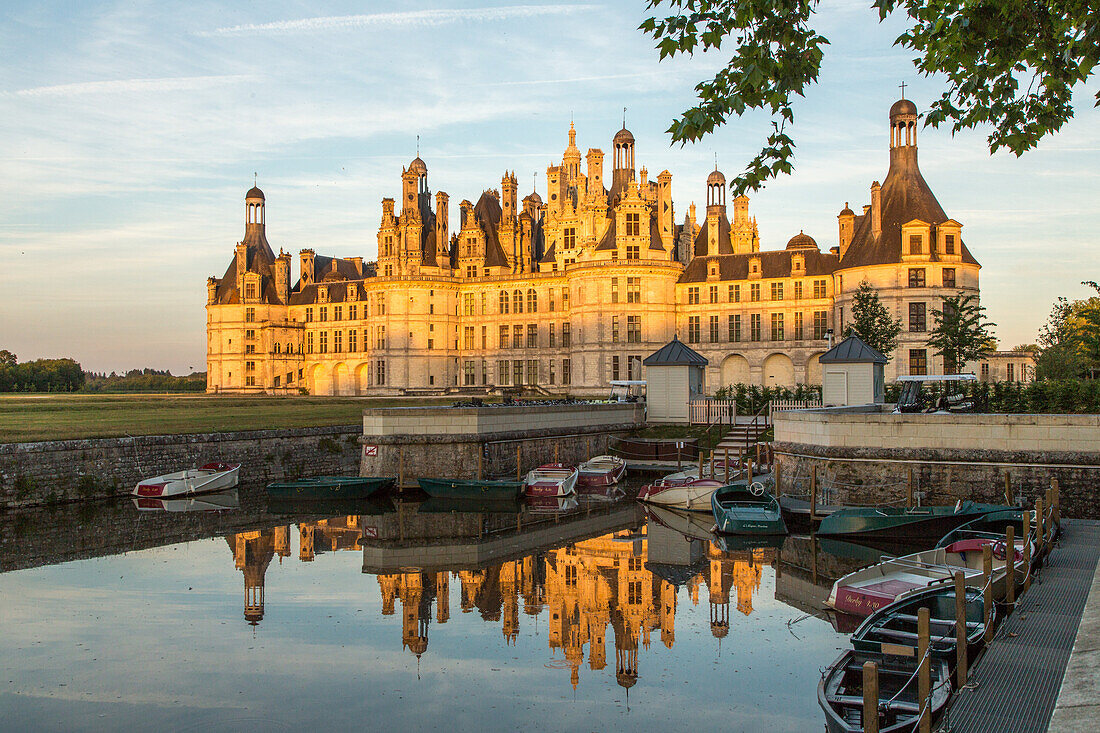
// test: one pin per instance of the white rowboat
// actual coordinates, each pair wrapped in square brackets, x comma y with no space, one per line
[211,477]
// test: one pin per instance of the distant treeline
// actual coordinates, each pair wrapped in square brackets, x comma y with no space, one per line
[66,375]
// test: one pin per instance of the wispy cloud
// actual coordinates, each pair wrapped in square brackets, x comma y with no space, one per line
[416,18]
[119,86]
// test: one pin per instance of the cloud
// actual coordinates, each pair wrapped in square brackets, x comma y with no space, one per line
[122,86]
[414,18]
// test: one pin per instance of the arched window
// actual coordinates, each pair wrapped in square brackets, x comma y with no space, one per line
[276,347]
[532,301]
[503,301]
[517,301]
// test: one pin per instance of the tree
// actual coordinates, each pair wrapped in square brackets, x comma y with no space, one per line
[7,358]
[1070,339]
[961,333]
[872,322]
[985,50]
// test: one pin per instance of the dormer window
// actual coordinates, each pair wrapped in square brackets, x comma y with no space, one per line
[250,290]
[322,293]
[916,245]
[798,263]
[754,267]
[352,293]
[949,244]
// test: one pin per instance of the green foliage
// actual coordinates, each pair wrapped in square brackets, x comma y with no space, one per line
[985,51]
[328,445]
[1069,342]
[1079,396]
[961,332]
[873,322]
[40,375]
[145,380]
[750,398]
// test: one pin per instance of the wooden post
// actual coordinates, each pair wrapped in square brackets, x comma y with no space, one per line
[961,656]
[987,573]
[813,493]
[712,463]
[775,470]
[726,463]
[870,697]
[751,467]
[924,676]
[1027,552]
[519,465]
[556,452]
[1055,497]
[1010,565]
[588,448]
[1040,533]
[700,462]
[909,489]
[480,450]
[1008,488]
[400,468]
[758,455]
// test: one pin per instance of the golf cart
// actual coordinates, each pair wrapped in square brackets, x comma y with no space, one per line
[953,399]
[627,390]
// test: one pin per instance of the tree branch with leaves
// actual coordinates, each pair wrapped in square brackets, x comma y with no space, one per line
[961,332]
[872,322]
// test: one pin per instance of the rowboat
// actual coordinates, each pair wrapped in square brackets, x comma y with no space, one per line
[903,523]
[552,479]
[448,488]
[870,589]
[840,692]
[209,477]
[215,501]
[896,624]
[330,487]
[796,511]
[681,493]
[741,509]
[601,471]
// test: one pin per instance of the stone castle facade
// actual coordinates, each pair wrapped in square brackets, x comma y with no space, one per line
[567,294]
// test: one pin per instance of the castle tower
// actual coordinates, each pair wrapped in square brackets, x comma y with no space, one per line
[716,210]
[509,187]
[666,223]
[743,230]
[623,170]
[594,161]
[254,211]
[571,159]
[846,221]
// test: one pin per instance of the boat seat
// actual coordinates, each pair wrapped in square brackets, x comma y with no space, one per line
[853,701]
[935,621]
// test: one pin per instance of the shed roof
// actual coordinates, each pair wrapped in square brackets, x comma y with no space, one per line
[852,350]
[675,353]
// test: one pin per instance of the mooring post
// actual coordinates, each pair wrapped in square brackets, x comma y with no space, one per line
[778,488]
[1010,564]
[480,450]
[588,448]
[519,466]
[1040,534]
[1055,495]
[712,474]
[987,584]
[1027,552]
[700,462]
[400,468]
[870,697]
[1008,488]
[961,656]
[758,455]
[924,677]
[726,466]
[556,453]
[813,493]
[909,489]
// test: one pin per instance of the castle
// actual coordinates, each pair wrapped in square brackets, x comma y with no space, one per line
[566,294]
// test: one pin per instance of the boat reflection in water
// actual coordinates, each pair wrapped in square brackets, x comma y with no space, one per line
[218,501]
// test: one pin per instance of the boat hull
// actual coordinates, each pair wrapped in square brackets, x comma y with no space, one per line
[692,496]
[840,693]
[209,478]
[330,487]
[607,472]
[551,481]
[897,622]
[893,523]
[737,511]
[442,488]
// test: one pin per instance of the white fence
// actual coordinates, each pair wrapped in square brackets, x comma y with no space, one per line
[780,405]
[707,410]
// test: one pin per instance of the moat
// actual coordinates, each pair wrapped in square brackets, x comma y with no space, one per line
[594,617]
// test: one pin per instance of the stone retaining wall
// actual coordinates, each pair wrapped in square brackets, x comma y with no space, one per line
[71,470]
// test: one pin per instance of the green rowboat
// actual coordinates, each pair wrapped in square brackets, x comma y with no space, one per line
[452,488]
[903,523]
[330,487]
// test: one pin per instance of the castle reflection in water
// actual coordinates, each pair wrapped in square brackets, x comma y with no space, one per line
[584,590]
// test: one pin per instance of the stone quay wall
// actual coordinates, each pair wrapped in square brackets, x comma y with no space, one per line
[866,456]
[490,442]
[73,470]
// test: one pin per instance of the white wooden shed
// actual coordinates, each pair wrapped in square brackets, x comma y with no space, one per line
[852,373]
[675,374]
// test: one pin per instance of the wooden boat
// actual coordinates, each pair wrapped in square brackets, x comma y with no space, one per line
[870,589]
[903,523]
[992,525]
[601,471]
[552,479]
[209,477]
[550,504]
[215,501]
[840,692]
[330,487]
[896,624]
[447,488]
[796,511]
[681,493]
[740,509]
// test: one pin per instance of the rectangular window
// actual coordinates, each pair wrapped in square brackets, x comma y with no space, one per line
[693,329]
[532,336]
[381,304]
[517,336]
[633,252]
[553,304]
[735,327]
[714,329]
[502,372]
[532,371]
[633,226]
[634,367]
[777,327]
[614,290]
[517,373]
[777,291]
[250,348]
[565,299]
[250,315]
[337,341]
[323,311]
[504,331]
[798,290]
[819,289]
[565,335]
[916,277]
[380,371]
[633,329]
[754,327]
[614,329]
[566,374]
[468,304]
[250,291]
[337,312]
[323,341]
[484,373]
[634,290]
[1010,372]
[309,342]
[985,371]
[353,341]
[615,366]
[277,380]
[553,342]
[949,244]
[821,324]
[353,312]
[468,338]
[918,362]
[918,320]
[309,315]
[796,333]
[484,337]
[468,374]
[735,293]
[754,292]
[916,247]
[713,293]
[381,338]
[949,277]
[569,237]
[550,373]
[693,296]
[250,366]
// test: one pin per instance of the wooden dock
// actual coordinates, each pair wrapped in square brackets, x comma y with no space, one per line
[1014,686]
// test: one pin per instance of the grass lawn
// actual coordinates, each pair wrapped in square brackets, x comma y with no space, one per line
[707,440]
[62,417]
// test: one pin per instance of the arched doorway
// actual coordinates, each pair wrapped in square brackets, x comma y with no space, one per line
[813,369]
[341,380]
[778,371]
[362,378]
[735,370]
[320,382]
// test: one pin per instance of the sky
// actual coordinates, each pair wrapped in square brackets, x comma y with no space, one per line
[130,130]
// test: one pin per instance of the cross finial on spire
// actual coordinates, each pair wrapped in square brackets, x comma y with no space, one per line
[255,179]
[624,118]
[902,85]
[418,146]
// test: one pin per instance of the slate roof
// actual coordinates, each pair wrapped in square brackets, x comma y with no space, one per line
[852,350]
[675,353]
[725,247]
[488,213]
[773,264]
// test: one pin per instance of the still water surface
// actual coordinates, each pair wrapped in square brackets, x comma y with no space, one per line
[596,618]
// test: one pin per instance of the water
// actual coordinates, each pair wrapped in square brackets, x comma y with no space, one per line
[595,618]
